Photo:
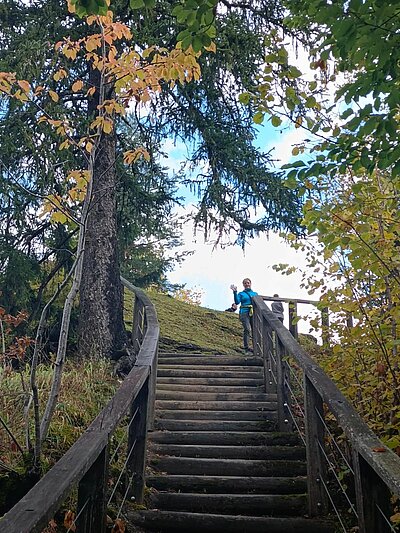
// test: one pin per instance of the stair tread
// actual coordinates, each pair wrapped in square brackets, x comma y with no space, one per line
[213,396]
[213,405]
[226,504]
[198,414]
[197,522]
[212,437]
[219,381]
[227,452]
[233,484]
[212,360]
[215,425]
[228,467]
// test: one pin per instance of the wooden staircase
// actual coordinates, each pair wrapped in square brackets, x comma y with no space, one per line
[216,461]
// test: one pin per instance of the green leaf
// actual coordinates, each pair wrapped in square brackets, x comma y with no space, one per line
[182,35]
[346,113]
[244,98]
[187,41]
[276,121]
[136,4]
[258,117]
[294,72]
[197,43]
[177,10]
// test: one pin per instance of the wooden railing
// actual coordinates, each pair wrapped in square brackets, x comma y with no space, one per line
[85,465]
[293,314]
[304,389]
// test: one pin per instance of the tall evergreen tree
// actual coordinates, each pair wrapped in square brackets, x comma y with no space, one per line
[232,177]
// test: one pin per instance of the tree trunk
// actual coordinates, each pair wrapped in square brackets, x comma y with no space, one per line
[101,327]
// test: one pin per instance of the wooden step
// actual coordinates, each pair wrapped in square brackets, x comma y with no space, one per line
[242,438]
[230,452]
[228,467]
[173,521]
[192,414]
[214,425]
[216,368]
[209,373]
[209,388]
[212,396]
[166,353]
[221,381]
[216,405]
[212,360]
[243,504]
[228,484]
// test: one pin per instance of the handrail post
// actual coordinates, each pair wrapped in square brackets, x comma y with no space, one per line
[269,366]
[137,327]
[137,439]
[257,332]
[372,498]
[325,326]
[316,465]
[292,319]
[281,378]
[91,506]
[152,392]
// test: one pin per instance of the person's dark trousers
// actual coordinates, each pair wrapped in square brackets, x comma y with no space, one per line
[247,324]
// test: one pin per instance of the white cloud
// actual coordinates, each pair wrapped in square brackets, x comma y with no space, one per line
[282,149]
[215,269]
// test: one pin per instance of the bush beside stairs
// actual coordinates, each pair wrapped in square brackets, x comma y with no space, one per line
[216,462]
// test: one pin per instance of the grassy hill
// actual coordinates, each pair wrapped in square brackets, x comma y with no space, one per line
[189,327]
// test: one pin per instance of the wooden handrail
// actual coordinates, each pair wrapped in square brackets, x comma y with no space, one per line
[292,303]
[376,467]
[86,461]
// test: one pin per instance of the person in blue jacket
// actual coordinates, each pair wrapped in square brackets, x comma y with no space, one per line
[246,310]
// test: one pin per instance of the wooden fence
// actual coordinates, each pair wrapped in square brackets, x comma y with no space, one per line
[293,314]
[85,465]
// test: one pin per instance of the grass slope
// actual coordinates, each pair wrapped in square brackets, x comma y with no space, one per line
[190,327]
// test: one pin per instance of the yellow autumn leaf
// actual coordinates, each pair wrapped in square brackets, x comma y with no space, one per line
[77,86]
[58,216]
[21,96]
[59,75]
[92,43]
[54,96]
[65,144]
[89,147]
[211,48]
[107,126]
[25,85]
[70,53]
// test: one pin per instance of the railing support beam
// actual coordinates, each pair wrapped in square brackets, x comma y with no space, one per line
[293,319]
[91,507]
[372,498]
[316,464]
[137,439]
